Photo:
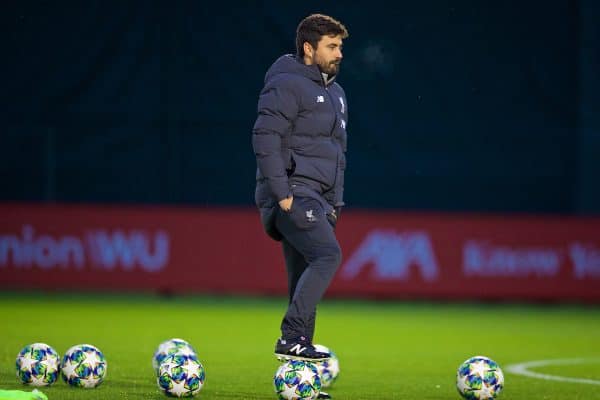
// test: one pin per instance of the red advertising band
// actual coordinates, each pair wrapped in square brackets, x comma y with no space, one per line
[224,251]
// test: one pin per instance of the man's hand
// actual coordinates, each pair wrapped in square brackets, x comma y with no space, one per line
[286,204]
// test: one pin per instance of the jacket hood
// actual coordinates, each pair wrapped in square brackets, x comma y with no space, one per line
[290,64]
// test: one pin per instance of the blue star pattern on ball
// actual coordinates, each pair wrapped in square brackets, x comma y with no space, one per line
[479,378]
[83,366]
[297,380]
[38,365]
[181,375]
[170,347]
[328,369]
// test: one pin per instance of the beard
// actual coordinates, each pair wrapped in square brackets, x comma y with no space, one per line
[328,67]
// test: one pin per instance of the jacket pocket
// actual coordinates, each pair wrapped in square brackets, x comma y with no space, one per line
[267,217]
[316,168]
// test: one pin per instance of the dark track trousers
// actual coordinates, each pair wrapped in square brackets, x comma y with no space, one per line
[312,255]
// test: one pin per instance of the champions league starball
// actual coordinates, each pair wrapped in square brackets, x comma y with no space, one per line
[297,380]
[83,366]
[38,365]
[328,369]
[168,348]
[479,378]
[181,375]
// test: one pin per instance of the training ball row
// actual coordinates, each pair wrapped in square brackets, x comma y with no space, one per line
[179,373]
[82,365]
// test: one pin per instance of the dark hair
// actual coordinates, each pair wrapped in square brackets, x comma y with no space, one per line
[315,26]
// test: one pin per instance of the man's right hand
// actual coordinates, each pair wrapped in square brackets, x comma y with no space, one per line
[286,204]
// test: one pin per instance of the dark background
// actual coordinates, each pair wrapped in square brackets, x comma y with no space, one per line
[454,105]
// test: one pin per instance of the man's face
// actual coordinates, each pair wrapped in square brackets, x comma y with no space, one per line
[328,54]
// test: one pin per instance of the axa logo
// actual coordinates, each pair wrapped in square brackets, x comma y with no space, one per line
[392,254]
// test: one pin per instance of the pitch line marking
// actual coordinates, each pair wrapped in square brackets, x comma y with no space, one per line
[523,369]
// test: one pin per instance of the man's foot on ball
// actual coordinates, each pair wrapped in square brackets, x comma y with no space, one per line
[324,395]
[299,349]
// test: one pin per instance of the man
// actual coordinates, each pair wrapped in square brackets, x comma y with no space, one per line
[299,140]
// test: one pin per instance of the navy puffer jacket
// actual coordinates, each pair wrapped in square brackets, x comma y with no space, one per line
[299,137]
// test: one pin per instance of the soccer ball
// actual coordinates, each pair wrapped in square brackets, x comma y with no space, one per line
[83,366]
[297,380]
[170,347]
[38,365]
[329,369]
[181,375]
[479,378]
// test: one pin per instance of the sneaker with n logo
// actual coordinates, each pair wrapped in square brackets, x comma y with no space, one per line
[298,349]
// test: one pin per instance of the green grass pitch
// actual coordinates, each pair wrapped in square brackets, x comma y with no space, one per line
[387,350]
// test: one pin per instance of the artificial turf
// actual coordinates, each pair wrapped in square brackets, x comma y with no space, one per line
[387,350]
